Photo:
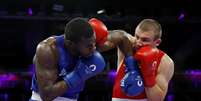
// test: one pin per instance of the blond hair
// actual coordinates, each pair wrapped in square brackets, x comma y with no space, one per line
[151,25]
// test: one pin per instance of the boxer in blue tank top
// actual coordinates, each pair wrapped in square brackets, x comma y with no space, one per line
[63,63]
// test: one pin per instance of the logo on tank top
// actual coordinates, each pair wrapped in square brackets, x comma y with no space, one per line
[91,68]
[154,64]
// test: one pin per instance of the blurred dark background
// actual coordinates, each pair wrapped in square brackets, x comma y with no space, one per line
[24,23]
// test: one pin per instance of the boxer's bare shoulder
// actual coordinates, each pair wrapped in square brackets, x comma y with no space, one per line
[46,51]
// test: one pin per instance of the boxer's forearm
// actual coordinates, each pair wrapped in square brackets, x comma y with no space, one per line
[120,39]
[53,91]
[116,38]
[158,91]
[155,93]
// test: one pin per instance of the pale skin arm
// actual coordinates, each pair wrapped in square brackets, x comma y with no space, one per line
[164,75]
[47,73]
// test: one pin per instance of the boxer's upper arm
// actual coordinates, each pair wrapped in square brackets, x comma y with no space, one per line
[45,65]
[164,75]
[47,72]
[169,70]
[165,72]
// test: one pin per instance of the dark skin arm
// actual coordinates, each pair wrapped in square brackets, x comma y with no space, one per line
[118,38]
[46,71]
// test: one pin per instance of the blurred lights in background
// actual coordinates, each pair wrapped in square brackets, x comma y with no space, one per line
[181,16]
[30,11]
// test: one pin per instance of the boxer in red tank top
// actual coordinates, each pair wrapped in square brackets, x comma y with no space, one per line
[156,67]
[117,92]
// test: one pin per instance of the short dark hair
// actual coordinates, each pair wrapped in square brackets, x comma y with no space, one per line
[151,24]
[78,28]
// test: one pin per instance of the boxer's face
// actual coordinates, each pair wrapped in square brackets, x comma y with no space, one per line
[146,38]
[86,46]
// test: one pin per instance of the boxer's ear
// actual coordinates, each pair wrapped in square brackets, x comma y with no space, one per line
[157,42]
[68,43]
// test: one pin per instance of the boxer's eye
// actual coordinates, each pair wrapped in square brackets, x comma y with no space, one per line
[145,40]
[137,37]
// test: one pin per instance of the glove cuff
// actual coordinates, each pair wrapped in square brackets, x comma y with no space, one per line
[131,63]
[72,80]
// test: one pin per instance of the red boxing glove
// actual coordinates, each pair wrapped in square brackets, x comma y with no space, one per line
[147,59]
[100,29]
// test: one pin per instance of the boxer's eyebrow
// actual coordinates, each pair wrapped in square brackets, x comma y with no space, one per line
[144,39]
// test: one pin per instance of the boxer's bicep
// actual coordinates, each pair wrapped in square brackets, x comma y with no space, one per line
[165,71]
[169,70]
[164,75]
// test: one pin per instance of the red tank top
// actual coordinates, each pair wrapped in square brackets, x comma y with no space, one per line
[117,92]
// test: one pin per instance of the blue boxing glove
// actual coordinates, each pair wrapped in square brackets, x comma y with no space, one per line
[132,84]
[85,68]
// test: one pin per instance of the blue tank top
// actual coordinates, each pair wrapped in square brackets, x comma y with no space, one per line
[65,64]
